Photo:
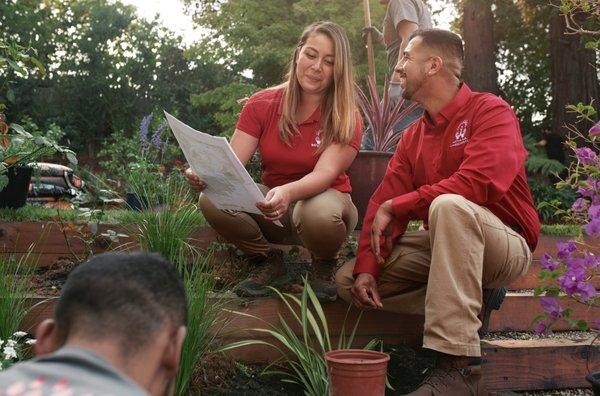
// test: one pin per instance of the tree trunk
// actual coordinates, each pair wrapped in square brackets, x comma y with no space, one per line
[574,76]
[478,33]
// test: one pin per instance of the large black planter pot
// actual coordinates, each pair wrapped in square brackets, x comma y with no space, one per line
[594,379]
[135,202]
[14,195]
[366,172]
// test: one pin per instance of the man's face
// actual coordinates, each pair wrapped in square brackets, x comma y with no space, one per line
[410,70]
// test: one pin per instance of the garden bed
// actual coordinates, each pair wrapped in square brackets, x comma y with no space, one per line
[512,364]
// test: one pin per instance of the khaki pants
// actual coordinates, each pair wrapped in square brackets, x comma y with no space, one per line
[440,273]
[320,223]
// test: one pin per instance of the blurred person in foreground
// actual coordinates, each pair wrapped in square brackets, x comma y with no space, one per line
[459,169]
[118,329]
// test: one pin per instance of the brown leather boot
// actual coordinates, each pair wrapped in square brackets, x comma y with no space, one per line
[454,376]
[322,279]
[492,300]
[269,271]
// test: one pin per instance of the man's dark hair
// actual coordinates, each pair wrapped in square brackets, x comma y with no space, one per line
[126,297]
[446,43]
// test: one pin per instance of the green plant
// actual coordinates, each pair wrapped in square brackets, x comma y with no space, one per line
[20,147]
[147,153]
[537,161]
[15,286]
[203,323]
[573,267]
[20,60]
[12,349]
[303,355]
[167,229]
[382,115]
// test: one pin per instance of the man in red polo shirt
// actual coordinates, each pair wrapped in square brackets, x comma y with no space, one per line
[460,169]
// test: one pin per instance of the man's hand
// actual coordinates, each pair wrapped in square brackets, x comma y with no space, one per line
[376,34]
[382,226]
[364,292]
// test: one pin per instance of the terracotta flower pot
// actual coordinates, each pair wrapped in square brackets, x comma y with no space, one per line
[356,372]
[366,172]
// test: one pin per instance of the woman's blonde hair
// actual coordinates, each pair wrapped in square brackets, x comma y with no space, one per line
[338,109]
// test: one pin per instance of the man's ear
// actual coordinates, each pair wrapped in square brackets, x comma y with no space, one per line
[436,64]
[45,336]
[172,352]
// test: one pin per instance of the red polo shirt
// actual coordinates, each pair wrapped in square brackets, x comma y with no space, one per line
[473,148]
[281,163]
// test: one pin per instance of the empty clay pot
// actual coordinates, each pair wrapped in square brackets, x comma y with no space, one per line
[356,372]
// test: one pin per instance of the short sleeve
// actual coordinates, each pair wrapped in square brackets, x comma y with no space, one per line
[402,10]
[358,132]
[251,120]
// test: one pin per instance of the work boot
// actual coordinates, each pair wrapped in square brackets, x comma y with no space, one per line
[454,376]
[492,299]
[269,271]
[322,279]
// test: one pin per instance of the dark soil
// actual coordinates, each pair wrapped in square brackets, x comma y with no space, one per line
[48,281]
[219,375]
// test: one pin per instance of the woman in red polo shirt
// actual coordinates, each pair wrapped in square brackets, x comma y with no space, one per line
[308,131]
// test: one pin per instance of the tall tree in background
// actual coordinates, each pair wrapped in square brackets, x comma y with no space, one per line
[480,48]
[574,73]
[521,31]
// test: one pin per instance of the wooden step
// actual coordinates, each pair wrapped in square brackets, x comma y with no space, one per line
[510,364]
[539,364]
[516,314]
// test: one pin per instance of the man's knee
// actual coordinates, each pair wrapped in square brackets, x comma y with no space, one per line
[447,202]
[344,280]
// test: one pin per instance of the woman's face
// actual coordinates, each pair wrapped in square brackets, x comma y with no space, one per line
[314,64]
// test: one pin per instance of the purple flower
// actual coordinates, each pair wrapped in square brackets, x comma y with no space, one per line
[156,136]
[593,228]
[569,281]
[144,127]
[590,260]
[573,282]
[595,130]
[597,324]
[552,306]
[587,291]
[579,205]
[565,249]
[586,156]
[589,190]
[594,212]
[548,263]
[541,328]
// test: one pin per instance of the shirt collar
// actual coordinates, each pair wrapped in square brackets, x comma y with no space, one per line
[448,112]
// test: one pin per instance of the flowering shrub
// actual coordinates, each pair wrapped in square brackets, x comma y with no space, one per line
[11,350]
[571,269]
[147,153]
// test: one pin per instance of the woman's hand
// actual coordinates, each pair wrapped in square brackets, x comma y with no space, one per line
[276,203]
[194,181]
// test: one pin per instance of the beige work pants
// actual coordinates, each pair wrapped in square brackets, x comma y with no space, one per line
[320,223]
[440,273]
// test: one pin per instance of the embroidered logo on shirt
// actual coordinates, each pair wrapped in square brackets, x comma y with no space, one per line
[317,142]
[460,136]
